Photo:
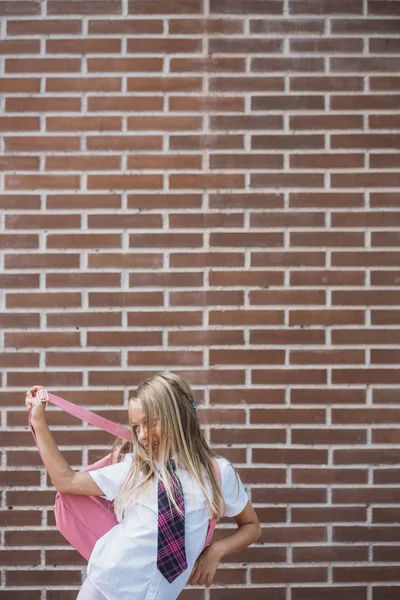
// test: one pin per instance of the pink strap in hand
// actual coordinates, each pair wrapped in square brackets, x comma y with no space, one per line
[86,415]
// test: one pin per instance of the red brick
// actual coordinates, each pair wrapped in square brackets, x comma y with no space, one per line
[168,45]
[313,476]
[285,142]
[120,299]
[43,578]
[165,280]
[129,104]
[381,84]
[327,238]
[330,593]
[47,379]
[292,219]
[171,319]
[41,261]
[286,180]
[19,123]
[202,142]
[44,65]
[160,201]
[19,320]
[19,359]
[365,259]
[8,241]
[327,161]
[292,456]
[365,376]
[79,7]
[246,317]
[283,103]
[326,200]
[83,163]
[326,515]
[326,357]
[125,26]
[125,260]
[287,337]
[60,123]
[84,319]
[365,102]
[166,240]
[41,339]
[14,281]
[257,200]
[325,121]
[288,575]
[19,163]
[327,396]
[45,182]
[12,47]
[124,338]
[327,317]
[43,222]
[25,27]
[44,300]
[10,8]
[288,376]
[84,240]
[245,278]
[328,436]
[165,85]
[234,239]
[287,259]
[300,7]
[206,103]
[287,297]
[81,201]
[210,64]
[42,143]
[246,161]
[206,220]
[327,45]
[165,359]
[248,396]
[208,298]
[327,278]
[164,162]
[247,357]
[83,46]
[228,26]
[16,85]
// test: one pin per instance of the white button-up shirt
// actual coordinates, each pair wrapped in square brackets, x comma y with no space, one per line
[123,564]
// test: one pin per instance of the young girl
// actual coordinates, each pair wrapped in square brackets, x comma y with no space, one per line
[165,490]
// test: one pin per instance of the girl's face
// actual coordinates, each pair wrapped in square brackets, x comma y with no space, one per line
[140,427]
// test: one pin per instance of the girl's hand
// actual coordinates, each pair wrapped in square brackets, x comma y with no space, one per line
[33,404]
[205,566]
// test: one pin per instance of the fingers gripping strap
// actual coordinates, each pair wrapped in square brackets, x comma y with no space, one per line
[86,415]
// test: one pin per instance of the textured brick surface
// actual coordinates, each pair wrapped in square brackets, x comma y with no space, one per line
[209,186]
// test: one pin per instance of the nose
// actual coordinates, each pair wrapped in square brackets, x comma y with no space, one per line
[142,435]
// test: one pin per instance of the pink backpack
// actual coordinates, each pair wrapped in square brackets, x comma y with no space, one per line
[82,520]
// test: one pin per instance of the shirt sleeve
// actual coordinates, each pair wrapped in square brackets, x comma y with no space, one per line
[233,491]
[110,478]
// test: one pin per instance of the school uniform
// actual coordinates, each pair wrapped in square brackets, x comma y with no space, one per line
[123,564]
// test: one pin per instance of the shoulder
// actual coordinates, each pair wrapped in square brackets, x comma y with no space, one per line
[226,468]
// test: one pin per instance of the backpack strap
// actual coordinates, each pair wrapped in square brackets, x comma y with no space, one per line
[213,522]
[86,415]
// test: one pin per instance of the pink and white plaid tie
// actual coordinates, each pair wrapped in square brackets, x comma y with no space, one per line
[171,554]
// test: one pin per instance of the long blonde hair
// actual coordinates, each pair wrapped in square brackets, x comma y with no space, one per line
[168,397]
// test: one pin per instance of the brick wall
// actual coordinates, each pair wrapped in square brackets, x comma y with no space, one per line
[210,187]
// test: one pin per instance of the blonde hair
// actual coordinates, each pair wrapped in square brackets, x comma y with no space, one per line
[168,397]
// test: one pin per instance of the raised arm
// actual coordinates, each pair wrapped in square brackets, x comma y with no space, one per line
[62,476]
